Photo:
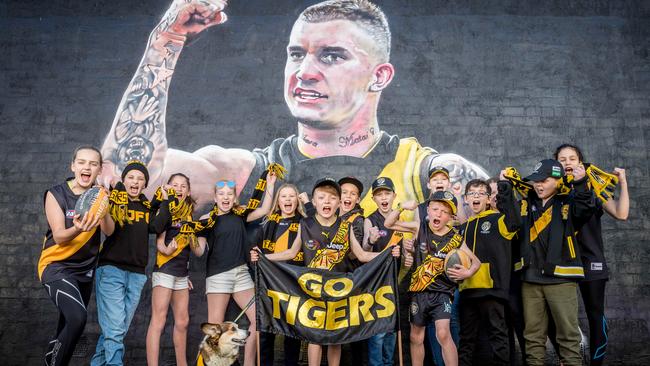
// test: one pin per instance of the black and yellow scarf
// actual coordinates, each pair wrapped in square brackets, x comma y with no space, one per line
[119,203]
[600,182]
[243,210]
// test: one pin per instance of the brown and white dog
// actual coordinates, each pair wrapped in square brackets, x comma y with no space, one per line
[220,347]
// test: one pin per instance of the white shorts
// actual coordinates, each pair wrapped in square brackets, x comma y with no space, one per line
[168,281]
[235,280]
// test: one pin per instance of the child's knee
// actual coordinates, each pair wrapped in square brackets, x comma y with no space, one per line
[443,335]
[182,322]
[417,338]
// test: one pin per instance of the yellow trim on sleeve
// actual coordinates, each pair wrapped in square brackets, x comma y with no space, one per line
[569,271]
[503,230]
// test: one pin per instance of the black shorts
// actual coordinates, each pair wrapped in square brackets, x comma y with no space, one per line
[429,306]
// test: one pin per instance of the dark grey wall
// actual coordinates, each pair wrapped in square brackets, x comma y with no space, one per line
[500,83]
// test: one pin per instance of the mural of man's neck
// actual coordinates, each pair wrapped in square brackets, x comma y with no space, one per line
[354,139]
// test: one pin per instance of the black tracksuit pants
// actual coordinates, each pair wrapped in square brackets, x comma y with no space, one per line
[491,312]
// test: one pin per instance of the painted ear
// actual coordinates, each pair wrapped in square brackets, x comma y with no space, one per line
[383,75]
[211,329]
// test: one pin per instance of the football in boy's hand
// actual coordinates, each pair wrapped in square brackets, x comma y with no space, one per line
[456,256]
[93,201]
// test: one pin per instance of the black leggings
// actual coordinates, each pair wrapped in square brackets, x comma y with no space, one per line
[71,298]
[593,296]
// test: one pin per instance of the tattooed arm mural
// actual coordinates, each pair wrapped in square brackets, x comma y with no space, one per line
[138,130]
[336,69]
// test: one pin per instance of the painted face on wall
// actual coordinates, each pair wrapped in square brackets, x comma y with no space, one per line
[328,72]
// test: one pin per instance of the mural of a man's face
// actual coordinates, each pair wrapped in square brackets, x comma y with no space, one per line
[328,72]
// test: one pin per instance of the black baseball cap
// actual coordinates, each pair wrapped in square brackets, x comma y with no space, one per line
[327,182]
[446,197]
[352,180]
[438,169]
[544,169]
[382,183]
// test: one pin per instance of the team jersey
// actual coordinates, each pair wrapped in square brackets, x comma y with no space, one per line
[128,247]
[429,256]
[76,258]
[355,218]
[178,263]
[387,237]
[277,234]
[326,247]
[404,161]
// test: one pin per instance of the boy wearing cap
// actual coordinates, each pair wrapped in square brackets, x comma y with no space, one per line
[326,243]
[120,274]
[439,181]
[550,262]
[378,237]
[484,295]
[431,288]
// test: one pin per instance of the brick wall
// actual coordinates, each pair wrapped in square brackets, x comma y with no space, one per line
[500,83]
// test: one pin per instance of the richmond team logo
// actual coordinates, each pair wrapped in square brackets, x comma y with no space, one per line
[381,181]
[312,244]
[448,195]
[414,308]
[485,227]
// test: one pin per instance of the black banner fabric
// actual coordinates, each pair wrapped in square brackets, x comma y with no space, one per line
[326,307]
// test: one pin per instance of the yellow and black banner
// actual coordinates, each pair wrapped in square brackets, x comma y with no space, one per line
[325,307]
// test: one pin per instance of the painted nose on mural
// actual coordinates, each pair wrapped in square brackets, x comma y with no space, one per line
[308,71]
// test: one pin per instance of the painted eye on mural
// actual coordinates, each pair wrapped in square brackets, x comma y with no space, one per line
[330,58]
[296,55]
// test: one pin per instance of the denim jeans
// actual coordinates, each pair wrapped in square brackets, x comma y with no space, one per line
[381,348]
[454,327]
[117,293]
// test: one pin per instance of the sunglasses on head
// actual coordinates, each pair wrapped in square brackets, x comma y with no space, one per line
[224,183]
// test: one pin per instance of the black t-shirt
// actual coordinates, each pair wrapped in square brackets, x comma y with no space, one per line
[127,248]
[592,253]
[227,245]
